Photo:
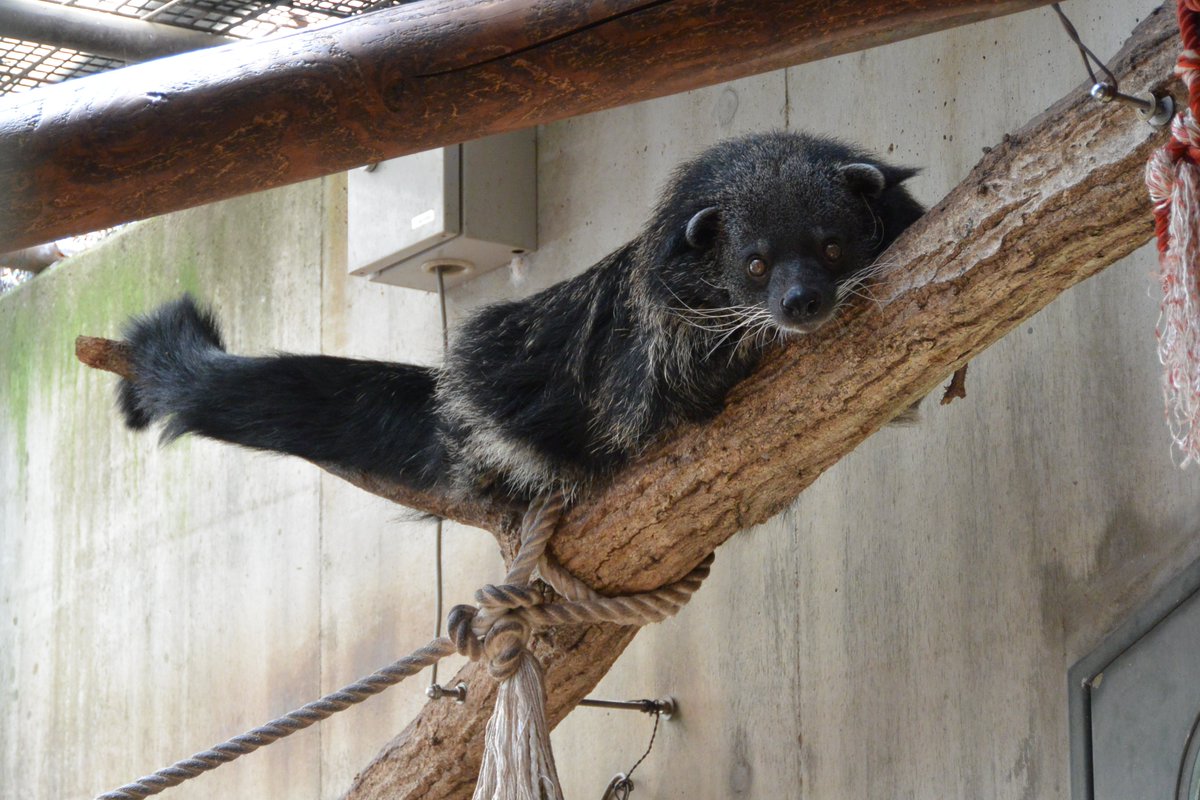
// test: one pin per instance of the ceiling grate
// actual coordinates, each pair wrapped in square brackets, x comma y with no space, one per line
[27,65]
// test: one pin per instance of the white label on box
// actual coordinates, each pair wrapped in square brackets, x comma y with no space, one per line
[424,218]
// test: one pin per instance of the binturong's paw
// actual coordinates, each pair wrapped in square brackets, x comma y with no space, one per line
[169,347]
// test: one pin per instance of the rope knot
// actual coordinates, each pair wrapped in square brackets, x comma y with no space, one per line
[460,629]
[1164,168]
[506,597]
[495,629]
[504,645]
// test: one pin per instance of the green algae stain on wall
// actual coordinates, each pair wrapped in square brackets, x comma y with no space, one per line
[90,294]
[44,390]
[235,254]
[113,544]
[15,372]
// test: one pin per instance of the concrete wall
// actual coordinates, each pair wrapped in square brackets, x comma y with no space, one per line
[903,630]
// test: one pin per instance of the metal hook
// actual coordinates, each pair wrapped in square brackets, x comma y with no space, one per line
[1156,111]
[437,692]
[664,707]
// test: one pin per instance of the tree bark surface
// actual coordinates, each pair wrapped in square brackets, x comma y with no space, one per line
[87,154]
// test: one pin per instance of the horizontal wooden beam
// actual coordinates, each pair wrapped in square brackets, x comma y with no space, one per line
[90,153]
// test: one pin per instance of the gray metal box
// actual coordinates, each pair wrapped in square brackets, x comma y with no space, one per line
[473,203]
[1135,703]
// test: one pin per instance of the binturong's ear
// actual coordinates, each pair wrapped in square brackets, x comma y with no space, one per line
[702,227]
[865,179]
[873,179]
[892,206]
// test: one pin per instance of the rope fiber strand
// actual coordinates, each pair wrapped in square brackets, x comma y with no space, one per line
[517,762]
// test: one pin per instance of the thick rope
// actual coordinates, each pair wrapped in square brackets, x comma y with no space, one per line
[1173,180]
[498,629]
[518,761]
[564,582]
[286,725]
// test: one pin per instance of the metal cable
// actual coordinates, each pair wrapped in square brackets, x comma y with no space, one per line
[649,747]
[437,535]
[1084,51]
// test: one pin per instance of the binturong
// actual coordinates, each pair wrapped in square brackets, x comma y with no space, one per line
[756,240]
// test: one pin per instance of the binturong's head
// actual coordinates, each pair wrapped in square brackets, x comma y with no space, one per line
[772,231]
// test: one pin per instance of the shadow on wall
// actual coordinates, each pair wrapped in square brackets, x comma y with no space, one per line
[1129,566]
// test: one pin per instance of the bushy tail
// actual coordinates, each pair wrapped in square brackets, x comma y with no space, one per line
[368,415]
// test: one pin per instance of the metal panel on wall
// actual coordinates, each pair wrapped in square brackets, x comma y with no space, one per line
[1145,704]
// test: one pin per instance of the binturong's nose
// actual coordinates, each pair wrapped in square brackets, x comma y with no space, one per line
[803,304]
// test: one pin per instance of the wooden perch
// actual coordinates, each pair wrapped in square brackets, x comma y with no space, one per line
[104,354]
[129,144]
[1054,203]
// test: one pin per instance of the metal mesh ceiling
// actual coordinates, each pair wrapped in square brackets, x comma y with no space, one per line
[26,65]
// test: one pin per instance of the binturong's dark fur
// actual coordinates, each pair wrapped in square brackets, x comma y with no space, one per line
[755,240]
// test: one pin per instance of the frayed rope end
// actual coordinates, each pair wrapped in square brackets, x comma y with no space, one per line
[518,763]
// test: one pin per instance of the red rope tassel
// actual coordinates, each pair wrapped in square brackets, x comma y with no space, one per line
[1173,179]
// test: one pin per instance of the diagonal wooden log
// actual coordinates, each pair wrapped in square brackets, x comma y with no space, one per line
[87,154]
[1051,205]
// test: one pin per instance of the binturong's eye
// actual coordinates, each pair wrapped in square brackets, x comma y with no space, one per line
[833,251]
[756,267]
